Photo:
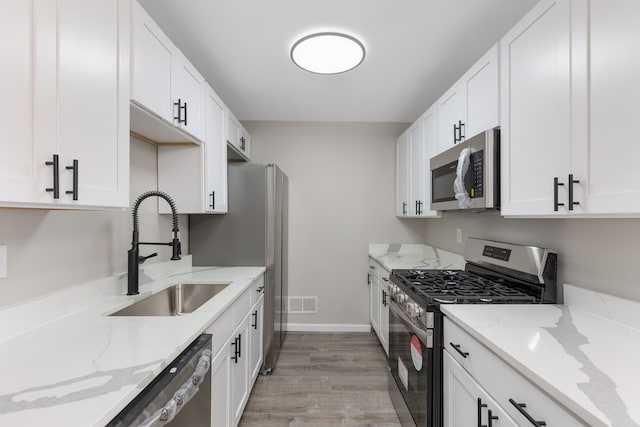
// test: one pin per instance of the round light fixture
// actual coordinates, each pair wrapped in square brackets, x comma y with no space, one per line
[327,53]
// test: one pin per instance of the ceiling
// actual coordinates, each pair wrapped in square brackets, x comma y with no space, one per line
[416,49]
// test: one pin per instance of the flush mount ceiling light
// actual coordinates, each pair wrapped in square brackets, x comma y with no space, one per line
[327,53]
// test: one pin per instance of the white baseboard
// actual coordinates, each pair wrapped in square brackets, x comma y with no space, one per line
[311,327]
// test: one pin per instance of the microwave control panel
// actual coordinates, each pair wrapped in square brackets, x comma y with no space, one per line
[476,164]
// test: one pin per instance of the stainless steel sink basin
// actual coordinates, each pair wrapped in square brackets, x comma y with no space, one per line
[174,301]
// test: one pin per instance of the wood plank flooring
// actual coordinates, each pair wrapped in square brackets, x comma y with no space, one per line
[324,380]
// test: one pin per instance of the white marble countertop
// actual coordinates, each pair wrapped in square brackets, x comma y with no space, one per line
[75,366]
[585,354]
[413,255]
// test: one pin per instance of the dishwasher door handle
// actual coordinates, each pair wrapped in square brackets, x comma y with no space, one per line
[182,395]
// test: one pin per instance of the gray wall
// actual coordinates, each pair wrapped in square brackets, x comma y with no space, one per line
[342,190]
[52,250]
[598,254]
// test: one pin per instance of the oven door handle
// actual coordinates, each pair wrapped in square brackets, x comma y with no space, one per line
[422,334]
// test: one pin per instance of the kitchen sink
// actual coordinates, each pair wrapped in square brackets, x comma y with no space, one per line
[176,300]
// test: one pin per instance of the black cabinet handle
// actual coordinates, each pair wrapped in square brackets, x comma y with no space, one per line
[571,182]
[368,278]
[456,347]
[480,406]
[260,289]
[455,133]
[180,109]
[242,141]
[239,347]
[491,418]
[56,177]
[74,168]
[234,357]
[384,298]
[417,208]
[520,407]
[404,208]
[460,129]
[213,200]
[556,184]
[254,325]
[420,207]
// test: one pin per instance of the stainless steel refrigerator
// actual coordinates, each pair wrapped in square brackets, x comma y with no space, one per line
[253,233]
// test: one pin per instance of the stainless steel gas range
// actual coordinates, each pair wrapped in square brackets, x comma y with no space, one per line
[495,273]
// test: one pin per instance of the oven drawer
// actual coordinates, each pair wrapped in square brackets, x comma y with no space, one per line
[477,359]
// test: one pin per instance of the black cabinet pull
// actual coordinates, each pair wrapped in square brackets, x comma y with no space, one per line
[260,289]
[384,298]
[571,182]
[520,407]
[56,177]
[368,278]
[417,208]
[556,184]
[404,208]
[74,168]
[420,207]
[242,141]
[491,418]
[234,357]
[480,406]
[254,325]
[213,200]
[239,347]
[456,347]
[455,133]
[180,109]
[460,129]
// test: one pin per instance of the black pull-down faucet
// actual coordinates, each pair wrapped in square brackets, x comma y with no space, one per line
[134,258]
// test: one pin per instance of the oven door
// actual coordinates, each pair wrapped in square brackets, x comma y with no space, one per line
[411,362]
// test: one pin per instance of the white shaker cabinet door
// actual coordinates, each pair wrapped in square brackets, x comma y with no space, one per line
[416,184]
[465,402]
[23,173]
[450,116]
[220,386]
[151,85]
[605,42]
[536,109]
[481,90]
[188,97]
[402,175]
[255,346]
[216,155]
[92,101]
[429,124]
[240,371]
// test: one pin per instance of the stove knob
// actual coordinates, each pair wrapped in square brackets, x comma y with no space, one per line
[393,290]
[401,298]
[412,308]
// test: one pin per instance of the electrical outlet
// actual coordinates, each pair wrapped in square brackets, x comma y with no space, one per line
[459,235]
[3,262]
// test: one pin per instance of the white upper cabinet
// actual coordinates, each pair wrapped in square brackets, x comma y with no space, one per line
[238,139]
[168,93]
[471,105]
[200,168]
[536,109]
[570,110]
[402,175]
[606,106]
[428,124]
[416,183]
[69,81]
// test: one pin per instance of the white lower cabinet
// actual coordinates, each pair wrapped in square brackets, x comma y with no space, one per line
[378,279]
[256,336]
[374,305]
[383,330]
[471,371]
[465,402]
[238,359]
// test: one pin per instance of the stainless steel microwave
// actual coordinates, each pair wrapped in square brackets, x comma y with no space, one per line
[467,175]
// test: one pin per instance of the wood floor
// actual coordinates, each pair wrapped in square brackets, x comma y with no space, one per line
[324,380]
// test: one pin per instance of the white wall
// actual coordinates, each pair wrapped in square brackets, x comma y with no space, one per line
[342,190]
[51,250]
[598,254]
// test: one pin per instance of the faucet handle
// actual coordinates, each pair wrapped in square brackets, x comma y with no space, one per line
[177,249]
[142,259]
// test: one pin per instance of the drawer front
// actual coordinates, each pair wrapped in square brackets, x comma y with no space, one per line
[221,329]
[511,385]
[469,353]
[257,289]
[241,306]
[373,269]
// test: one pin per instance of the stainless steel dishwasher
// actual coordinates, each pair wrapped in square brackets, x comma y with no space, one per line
[179,396]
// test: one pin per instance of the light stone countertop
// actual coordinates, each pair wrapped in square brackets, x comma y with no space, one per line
[64,362]
[414,256]
[585,354]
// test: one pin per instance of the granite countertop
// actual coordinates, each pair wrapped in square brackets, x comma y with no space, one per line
[413,255]
[66,363]
[584,354]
